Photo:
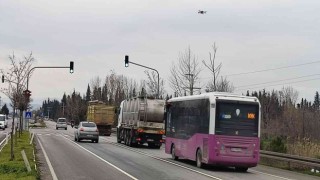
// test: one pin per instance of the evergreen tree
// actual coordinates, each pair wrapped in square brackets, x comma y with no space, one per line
[4,110]
[316,102]
[104,94]
[88,94]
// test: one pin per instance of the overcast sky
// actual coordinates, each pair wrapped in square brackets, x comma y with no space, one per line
[251,35]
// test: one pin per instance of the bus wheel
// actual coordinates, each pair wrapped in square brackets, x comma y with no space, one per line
[173,153]
[242,169]
[199,159]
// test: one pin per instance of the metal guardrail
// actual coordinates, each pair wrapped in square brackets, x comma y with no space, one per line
[4,141]
[291,158]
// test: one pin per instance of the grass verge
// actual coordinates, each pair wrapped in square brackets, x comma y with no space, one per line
[16,169]
[291,166]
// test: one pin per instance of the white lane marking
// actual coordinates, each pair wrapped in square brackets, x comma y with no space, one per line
[48,134]
[129,175]
[269,174]
[160,159]
[53,174]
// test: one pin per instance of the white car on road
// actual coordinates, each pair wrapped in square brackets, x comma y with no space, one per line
[61,123]
[3,121]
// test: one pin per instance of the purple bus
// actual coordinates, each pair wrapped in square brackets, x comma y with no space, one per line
[214,128]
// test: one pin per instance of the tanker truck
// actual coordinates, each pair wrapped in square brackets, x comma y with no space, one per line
[103,115]
[141,120]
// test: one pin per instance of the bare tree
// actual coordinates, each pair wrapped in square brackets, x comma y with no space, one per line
[16,77]
[289,95]
[216,84]
[222,85]
[152,84]
[184,74]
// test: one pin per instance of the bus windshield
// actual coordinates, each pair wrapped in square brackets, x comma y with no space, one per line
[237,119]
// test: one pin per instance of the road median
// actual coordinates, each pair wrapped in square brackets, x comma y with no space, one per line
[16,168]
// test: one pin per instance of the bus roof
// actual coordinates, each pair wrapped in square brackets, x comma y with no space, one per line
[222,95]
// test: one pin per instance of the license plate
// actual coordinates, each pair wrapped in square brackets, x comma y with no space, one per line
[150,140]
[236,149]
[90,135]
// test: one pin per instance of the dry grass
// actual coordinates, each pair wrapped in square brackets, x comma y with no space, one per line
[304,147]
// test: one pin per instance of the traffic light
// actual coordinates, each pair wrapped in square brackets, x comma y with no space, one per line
[71,67]
[27,94]
[126,61]
[2,78]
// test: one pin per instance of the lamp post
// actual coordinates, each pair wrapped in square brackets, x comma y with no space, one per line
[191,83]
[126,64]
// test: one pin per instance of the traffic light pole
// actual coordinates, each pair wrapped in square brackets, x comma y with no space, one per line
[151,69]
[48,67]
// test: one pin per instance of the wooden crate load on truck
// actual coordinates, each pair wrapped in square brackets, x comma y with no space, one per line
[103,115]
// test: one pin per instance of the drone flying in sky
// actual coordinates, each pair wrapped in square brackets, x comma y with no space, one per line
[202,12]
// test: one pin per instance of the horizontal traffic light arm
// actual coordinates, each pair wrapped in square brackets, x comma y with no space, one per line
[47,67]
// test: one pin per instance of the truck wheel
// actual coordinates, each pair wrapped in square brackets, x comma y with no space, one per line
[157,146]
[126,137]
[151,145]
[130,138]
[118,136]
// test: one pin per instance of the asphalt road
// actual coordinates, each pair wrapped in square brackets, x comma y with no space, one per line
[110,160]
[3,133]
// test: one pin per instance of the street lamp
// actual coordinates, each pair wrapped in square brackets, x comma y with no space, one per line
[126,64]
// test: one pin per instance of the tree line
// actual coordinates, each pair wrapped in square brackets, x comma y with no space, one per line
[283,115]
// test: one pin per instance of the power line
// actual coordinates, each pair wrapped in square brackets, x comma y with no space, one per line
[278,80]
[271,69]
[294,82]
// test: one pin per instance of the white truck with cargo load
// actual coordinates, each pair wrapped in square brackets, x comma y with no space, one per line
[141,120]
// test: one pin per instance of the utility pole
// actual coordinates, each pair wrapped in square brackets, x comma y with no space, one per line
[48,109]
[191,80]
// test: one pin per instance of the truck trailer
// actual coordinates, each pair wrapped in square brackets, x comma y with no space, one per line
[103,115]
[141,120]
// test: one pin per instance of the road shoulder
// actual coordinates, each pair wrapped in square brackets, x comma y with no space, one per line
[42,165]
